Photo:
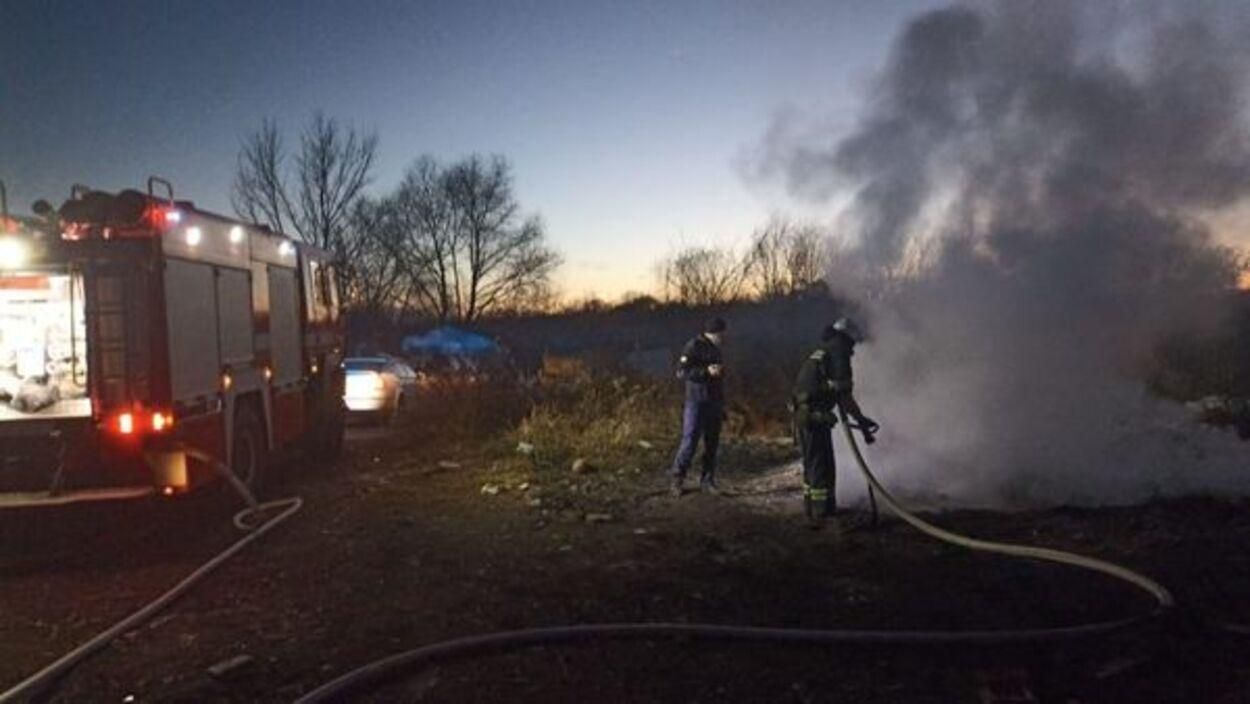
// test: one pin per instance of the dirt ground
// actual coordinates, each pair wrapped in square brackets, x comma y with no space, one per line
[409,541]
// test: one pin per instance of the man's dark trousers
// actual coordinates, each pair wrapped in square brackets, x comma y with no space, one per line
[816,441]
[699,420]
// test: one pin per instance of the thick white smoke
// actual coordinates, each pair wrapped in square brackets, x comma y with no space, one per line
[1031,182]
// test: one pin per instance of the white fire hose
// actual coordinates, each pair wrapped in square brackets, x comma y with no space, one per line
[1157,591]
[39,682]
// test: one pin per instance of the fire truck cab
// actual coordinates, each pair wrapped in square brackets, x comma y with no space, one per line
[143,340]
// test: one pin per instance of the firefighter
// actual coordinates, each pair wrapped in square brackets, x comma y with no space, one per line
[701,367]
[824,384]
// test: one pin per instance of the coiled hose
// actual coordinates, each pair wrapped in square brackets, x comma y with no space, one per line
[41,681]
[407,663]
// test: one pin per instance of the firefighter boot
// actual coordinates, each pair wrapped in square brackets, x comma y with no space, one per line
[814,512]
[833,522]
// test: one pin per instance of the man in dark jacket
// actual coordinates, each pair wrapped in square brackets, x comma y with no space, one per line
[700,366]
[824,384]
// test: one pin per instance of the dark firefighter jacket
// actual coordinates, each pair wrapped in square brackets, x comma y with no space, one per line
[824,381]
[696,357]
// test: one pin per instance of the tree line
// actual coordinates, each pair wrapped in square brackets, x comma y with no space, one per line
[449,242]
[783,258]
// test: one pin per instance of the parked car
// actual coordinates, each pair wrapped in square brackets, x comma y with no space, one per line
[381,387]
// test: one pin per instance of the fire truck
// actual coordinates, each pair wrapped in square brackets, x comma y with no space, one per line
[146,343]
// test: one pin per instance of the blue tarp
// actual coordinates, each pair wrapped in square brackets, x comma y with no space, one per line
[448,340]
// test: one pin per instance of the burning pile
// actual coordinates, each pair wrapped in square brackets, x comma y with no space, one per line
[1033,184]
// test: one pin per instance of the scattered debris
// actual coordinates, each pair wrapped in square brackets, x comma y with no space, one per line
[491,489]
[640,531]
[525,448]
[645,445]
[230,666]
[447,464]
[523,486]
[535,503]
[582,466]
[598,518]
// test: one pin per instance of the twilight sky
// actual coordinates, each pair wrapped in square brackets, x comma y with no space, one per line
[626,122]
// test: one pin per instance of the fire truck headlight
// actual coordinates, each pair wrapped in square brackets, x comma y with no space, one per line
[194,235]
[13,253]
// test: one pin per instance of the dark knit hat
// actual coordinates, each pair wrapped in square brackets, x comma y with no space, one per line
[715,325]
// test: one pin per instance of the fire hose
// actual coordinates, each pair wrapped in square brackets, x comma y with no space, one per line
[41,681]
[407,663]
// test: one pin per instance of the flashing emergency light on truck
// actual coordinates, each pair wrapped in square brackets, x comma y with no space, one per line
[140,335]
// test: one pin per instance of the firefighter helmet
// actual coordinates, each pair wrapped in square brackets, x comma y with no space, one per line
[848,327]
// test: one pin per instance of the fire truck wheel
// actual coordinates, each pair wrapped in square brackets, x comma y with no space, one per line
[247,459]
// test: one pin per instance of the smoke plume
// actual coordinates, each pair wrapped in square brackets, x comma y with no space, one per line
[1031,183]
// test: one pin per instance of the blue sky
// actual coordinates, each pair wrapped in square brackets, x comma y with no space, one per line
[626,122]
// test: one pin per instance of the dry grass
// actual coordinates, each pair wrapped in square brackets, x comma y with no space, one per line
[603,421]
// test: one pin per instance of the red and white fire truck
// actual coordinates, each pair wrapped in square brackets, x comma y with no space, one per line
[139,334]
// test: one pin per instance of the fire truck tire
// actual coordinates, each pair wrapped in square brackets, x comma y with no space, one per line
[248,456]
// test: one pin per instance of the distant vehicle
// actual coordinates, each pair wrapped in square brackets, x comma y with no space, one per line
[382,387]
[139,334]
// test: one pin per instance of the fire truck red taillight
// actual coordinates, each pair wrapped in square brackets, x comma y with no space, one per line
[162,422]
[139,422]
[161,217]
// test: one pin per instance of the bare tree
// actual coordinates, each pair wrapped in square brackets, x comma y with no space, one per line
[703,276]
[332,168]
[259,193]
[314,195]
[467,250]
[373,279]
[784,258]
[427,239]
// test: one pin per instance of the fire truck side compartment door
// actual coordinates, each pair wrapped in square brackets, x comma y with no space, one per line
[194,364]
[284,326]
[234,310]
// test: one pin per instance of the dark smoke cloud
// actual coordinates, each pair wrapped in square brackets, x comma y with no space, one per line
[1031,182]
